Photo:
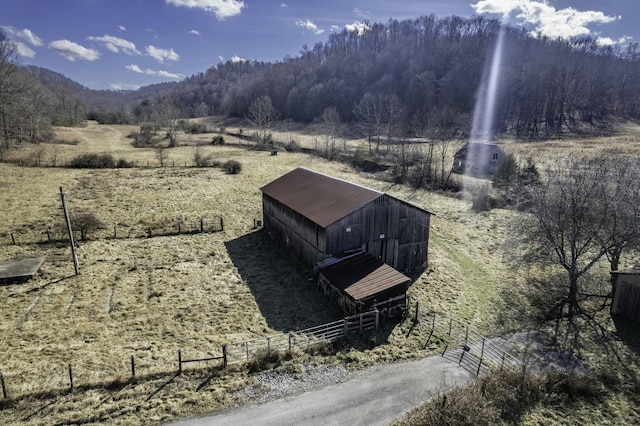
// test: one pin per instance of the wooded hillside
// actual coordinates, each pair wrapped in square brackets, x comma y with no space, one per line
[423,74]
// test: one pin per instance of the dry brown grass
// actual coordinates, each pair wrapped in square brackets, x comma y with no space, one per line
[151,297]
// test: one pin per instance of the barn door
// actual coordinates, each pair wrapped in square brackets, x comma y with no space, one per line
[389,252]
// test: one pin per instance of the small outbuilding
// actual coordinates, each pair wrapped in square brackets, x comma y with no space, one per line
[317,216]
[360,282]
[17,271]
[626,297]
[478,159]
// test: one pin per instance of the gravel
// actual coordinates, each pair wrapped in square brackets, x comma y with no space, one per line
[277,384]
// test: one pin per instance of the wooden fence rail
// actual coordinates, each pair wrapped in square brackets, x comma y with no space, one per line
[248,350]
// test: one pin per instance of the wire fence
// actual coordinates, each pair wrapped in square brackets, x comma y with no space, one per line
[58,234]
[69,376]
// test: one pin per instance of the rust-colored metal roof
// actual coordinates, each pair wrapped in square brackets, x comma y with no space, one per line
[363,275]
[321,198]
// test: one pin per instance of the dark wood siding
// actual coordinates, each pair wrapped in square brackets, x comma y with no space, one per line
[388,228]
[627,298]
[300,235]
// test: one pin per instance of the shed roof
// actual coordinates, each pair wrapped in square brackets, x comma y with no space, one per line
[321,198]
[362,276]
[20,269]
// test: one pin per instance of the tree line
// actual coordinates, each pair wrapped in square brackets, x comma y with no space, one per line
[394,79]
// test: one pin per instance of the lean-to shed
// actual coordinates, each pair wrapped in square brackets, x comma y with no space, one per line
[318,216]
[626,299]
[359,282]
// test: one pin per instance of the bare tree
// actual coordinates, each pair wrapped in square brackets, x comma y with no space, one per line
[580,212]
[262,114]
[330,126]
[12,86]
[370,115]
[161,154]
[168,116]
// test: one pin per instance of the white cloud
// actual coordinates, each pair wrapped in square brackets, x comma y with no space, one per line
[73,51]
[236,58]
[123,86]
[24,50]
[309,26]
[162,55]
[159,73]
[121,28]
[283,5]
[194,32]
[545,19]
[357,27]
[334,28]
[134,68]
[608,41]
[221,8]
[115,44]
[25,34]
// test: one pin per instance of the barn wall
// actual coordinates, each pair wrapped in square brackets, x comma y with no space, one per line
[388,228]
[303,238]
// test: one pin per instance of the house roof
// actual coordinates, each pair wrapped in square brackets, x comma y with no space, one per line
[362,276]
[321,198]
[476,149]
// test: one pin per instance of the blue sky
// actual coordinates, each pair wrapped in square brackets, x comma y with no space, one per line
[126,44]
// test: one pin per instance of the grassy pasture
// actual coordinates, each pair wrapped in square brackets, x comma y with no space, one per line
[151,297]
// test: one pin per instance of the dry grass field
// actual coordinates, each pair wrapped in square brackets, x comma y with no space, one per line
[150,297]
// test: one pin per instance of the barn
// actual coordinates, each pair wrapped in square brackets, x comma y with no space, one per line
[317,216]
[626,298]
[478,159]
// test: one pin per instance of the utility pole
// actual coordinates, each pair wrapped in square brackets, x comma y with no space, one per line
[66,218]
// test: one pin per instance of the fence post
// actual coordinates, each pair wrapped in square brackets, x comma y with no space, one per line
[415,319]
[133,368]
[48,235]
[4,389]
[179,362]
[481,358]
[70,377]
[178,227]
[377,319]
[221,224]
[290,337]
[13,239]
[115,234]
[201,225]
[225,361]
[360,327]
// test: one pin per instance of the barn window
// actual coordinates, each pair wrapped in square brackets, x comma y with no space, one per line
[348,229]
[382,236]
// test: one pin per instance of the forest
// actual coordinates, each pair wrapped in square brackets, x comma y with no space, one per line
[411,78]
